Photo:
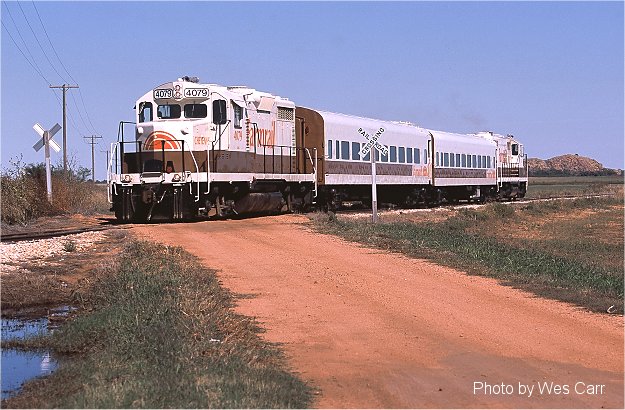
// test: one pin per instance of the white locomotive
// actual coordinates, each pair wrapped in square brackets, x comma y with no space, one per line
[205,149]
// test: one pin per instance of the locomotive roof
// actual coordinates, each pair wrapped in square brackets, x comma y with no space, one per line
[234,92]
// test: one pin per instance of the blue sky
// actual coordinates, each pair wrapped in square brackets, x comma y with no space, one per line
[549,73]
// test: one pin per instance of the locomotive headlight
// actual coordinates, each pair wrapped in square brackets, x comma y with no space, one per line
[126,178]
[139,130]
[176,178]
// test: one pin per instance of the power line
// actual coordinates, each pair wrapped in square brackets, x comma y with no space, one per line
[24,55]
[92,143]
[69,114]
[37,40]
[52,45]
[79,114]
[65,87]
[34,62]
[85,108]
[43,26]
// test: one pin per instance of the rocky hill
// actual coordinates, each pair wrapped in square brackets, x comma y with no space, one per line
[568,164]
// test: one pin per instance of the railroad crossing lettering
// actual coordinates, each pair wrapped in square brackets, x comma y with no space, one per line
[372,142]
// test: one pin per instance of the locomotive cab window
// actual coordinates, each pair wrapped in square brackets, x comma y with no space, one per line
[195,111]
[145,112]
[238,115]
[169,111]
[515,149]
[219,112]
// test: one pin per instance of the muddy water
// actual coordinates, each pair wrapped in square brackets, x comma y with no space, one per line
[20,366]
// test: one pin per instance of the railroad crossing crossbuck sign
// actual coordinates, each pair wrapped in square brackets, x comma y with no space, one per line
[372,142]
[47,142]
[50,133]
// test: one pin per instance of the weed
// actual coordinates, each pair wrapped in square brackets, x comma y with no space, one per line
[69,246]
[24,193]
[161,333]
[571,266]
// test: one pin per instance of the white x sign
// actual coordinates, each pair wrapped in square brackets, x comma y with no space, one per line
[50,133]
[372,142]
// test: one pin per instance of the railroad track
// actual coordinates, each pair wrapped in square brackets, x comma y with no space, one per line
[30,236]
[391,209]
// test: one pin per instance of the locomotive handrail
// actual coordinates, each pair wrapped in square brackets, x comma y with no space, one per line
[109,173]
[208,171]
[197,169]
[314,165]
[120,129]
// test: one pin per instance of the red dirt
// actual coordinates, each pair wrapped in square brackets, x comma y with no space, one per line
[376,329]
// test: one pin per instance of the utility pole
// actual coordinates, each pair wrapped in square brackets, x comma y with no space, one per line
[93,139]
[65,87]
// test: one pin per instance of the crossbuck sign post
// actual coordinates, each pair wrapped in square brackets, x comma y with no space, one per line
[372,142]
[47,142]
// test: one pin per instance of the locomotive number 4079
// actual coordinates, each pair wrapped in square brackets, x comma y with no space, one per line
[196,92]
[163,93]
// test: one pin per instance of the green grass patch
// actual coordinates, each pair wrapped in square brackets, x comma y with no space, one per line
[542,187]
[160,332]
[485,242]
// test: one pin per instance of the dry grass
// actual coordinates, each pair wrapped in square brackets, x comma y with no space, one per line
[570,250]
[158,331]
[24,194]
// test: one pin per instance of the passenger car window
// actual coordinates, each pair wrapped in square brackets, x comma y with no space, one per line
[356,151]
[393,154]
[344,149]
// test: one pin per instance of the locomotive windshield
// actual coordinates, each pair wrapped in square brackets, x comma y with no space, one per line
[168,111]
[195,111]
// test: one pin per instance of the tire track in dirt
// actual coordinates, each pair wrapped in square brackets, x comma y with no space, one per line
[376,329]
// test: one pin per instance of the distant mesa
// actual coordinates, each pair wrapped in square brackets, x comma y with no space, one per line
[568,165]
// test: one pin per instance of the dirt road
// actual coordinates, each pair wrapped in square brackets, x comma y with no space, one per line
[374,329]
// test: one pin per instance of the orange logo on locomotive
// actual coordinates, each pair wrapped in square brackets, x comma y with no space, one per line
[159,140]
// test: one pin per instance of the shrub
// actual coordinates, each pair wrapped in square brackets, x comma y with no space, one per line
[24,192]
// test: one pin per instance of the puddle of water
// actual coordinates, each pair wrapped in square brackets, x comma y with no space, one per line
[19,366]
